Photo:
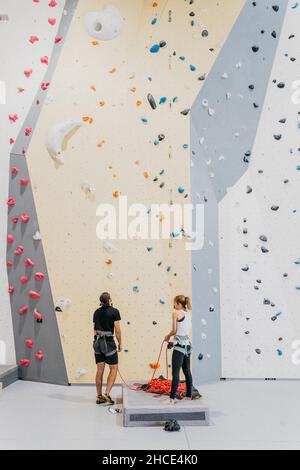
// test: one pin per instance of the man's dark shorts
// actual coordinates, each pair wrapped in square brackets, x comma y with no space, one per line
[110,360]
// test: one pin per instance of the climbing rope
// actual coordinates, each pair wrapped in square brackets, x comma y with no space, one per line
[158,386]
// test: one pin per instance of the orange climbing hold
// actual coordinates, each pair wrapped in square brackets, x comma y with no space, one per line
[155,366]
[101,104]
[113,70]
[116,194]
[108,262]
[139,103]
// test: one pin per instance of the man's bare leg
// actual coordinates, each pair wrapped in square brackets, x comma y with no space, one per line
[111,378]
[99,378]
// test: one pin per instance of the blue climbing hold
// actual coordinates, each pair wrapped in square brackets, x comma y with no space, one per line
[154,21]
[155,48]
[163,100]
[181,190]
[193,68]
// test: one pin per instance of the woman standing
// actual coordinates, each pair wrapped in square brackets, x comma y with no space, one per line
[181,328]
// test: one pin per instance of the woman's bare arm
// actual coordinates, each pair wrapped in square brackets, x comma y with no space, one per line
[174,327]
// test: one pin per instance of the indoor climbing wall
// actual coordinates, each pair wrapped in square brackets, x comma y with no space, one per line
[36,30]
[259,224]
[22,21]
[224,122]
[122,93]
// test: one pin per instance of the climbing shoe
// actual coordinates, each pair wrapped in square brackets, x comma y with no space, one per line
[108,400]
[100,400]
[172,426]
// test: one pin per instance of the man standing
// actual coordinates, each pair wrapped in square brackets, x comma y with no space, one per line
[107,323]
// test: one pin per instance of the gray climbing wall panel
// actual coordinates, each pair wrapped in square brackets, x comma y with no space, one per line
[45,335]
[224,123]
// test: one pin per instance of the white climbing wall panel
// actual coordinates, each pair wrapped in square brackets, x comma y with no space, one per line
[260,231]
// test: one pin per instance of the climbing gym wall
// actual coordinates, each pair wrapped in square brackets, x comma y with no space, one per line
[224,122]
[259,224]
[21,22]
[30,34]
[119,146]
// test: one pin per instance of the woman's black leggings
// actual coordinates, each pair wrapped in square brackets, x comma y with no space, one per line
[180,360]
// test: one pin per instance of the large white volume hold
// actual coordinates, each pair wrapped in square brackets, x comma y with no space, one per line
[105,24]
[58,136]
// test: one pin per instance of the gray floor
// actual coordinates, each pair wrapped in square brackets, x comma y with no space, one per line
[245,415]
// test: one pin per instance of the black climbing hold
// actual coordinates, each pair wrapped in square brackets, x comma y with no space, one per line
[274,34]
[264,249]
[275,208]
[275,8]
[281,85]
[200,357]
[283,121]
[255,49]
[185,112]
[251,87]
[278,136]
[161,137]
[152,101]
[246,268]
[205,33]
[162,44]
[258,351]
[263,238]
[249,190]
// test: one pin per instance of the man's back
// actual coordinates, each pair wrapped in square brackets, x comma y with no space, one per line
[105,318]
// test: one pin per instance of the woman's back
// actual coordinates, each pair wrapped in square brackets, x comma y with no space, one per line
[184,324]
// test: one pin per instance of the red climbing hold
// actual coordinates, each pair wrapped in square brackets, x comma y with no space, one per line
[29,343]
[29,263]
[23,310]
[28,131]
[58,39]
[45,86]
[25,218]
[52,4]
[34,295]
[11,290]
[39,356]
[33,39]
[15,170]
[11,202]
[24,182]
[45,60]
[38,316]
[24,280]
[52,21]
[10,239]
[13,117]
[25,362]
[28,73]
[9,264]
[39,276]
[15,220]
[19,251]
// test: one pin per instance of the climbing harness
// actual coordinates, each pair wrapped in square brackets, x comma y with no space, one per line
[102,346]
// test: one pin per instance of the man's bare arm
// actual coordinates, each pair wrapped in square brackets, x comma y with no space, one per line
[118,334]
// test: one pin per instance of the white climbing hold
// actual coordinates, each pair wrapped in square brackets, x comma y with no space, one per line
[37,236]
[62,304]
[105,24]
[80,372]
[57,137]
[88,187]
[110,248]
